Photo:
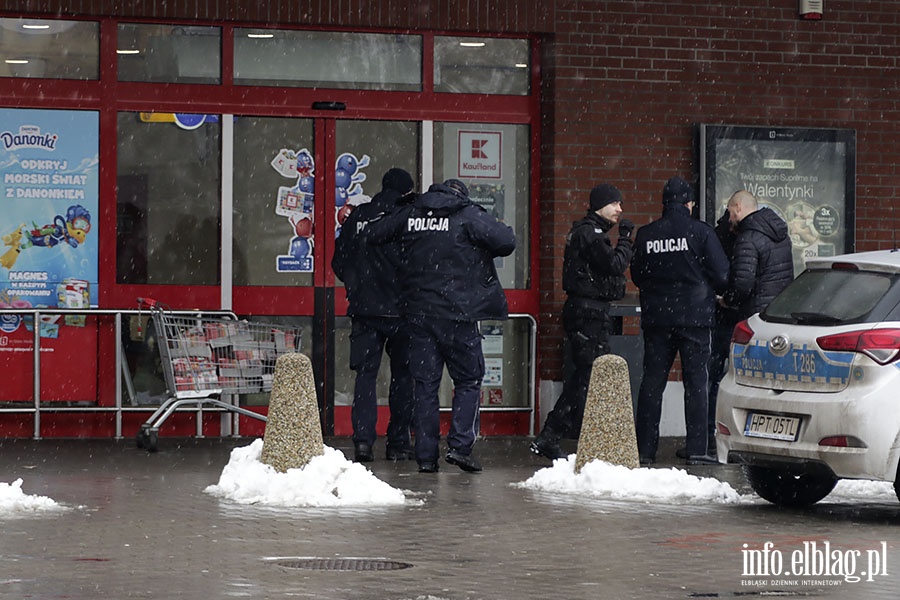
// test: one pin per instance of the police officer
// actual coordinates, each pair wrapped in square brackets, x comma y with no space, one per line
[678,266]
[371,279]
[448,284]
[593,274]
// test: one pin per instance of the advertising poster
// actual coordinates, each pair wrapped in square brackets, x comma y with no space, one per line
[295,203]
[48,205]
[49,202]
[806,176]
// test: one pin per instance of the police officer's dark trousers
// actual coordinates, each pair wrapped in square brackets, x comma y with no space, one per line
[369,336]
[587,326]
[435,342]
[660,346]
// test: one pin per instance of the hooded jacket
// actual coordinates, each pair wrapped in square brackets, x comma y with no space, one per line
[679,266]
[448,248]
[370,273]
[763,262]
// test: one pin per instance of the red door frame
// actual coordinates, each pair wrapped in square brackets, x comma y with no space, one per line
[108,96]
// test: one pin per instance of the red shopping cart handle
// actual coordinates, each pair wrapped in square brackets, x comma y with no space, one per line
[149,302]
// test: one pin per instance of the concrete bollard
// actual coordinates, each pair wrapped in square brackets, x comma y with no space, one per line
[607,429]
[293,432]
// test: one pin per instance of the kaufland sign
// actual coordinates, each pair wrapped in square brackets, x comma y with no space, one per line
[479,154]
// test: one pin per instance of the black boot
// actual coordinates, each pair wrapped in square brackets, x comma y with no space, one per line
[362,452]
[547,445]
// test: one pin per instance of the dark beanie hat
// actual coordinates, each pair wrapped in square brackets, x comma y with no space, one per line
[604,194]
[458,187]
[397,180]
[677,190]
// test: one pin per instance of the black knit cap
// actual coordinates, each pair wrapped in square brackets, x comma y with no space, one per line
[458,187]
[397,180]
[604,194]
[677,191]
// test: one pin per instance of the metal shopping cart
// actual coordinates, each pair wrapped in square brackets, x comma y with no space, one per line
[204,358]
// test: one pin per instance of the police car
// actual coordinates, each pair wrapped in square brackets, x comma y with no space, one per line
[812,393]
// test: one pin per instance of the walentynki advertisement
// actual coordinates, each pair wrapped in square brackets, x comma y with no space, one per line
[805,175]
[48,208]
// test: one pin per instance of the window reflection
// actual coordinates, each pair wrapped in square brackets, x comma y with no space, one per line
[168,208]
[169,53]
[467,65]
[51,49]
[367,61]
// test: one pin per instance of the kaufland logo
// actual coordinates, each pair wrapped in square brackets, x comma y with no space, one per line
[480,154]
[478,149]
[29,136]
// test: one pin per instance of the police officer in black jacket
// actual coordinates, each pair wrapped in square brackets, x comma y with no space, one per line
[370,276]
[593,275]
[679,266]
[448,284]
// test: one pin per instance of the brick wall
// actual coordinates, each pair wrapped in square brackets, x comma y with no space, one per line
[630,79]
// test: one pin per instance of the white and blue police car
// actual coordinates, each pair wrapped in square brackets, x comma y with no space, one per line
[812,392]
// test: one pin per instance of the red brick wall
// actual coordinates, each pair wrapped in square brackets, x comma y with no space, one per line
[625,82]
[630,79]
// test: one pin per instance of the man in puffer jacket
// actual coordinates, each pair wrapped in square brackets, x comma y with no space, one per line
[448,283]
[763,261]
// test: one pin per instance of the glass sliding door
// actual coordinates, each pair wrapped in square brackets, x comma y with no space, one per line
[365,150]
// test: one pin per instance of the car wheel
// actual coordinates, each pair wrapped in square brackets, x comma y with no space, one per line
[789,489]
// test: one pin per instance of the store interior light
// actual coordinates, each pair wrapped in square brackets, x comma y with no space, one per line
[35,26]
[128,51]
[521,65]
[261,36]
[16,61]
[472,44]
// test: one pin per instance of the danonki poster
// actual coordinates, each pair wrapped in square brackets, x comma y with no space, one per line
[48,208]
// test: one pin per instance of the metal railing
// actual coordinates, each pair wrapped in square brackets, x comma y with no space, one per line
[122,374]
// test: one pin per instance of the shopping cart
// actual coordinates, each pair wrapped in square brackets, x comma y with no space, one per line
[206,357]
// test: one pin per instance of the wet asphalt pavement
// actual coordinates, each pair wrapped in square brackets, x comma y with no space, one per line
[140,526]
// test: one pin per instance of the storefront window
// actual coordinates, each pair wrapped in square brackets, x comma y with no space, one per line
[274,200]
[493,161]
[169,53]
[168,199]
[365,61]
[467,65]
[49,49]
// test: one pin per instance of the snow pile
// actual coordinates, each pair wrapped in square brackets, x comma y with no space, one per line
[599,479]
[328,480]
[855,490]
[14,500]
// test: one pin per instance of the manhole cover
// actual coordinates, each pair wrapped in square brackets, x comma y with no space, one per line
[343,564]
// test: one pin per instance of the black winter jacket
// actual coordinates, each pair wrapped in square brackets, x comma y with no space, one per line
[369,273]
[763,262]
[679,266]
[592,268]
[448,248]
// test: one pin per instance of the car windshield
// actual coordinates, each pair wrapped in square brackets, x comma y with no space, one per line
[829,297]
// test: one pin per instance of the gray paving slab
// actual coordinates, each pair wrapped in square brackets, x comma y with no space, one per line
[143,528]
